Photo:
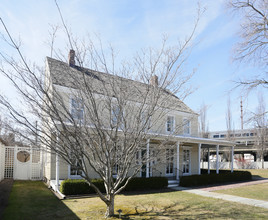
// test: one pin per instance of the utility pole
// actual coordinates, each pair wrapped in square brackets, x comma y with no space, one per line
[241,106]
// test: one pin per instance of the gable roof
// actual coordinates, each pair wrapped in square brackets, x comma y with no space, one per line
[103,83]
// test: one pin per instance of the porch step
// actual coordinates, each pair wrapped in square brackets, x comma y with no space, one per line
[173,183]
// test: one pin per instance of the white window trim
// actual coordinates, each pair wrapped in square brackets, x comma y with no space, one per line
[174,121]
[190,160]
[72,176]
[186,134]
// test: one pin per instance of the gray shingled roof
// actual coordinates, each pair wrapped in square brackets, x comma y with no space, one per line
[103,83]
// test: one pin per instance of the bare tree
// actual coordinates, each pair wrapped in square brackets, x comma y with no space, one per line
[114,109]
[260,123]
[254,33]
[229,121]
[203,123]
[203,129]
[229,127]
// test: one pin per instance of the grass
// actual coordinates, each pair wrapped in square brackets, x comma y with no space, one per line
[259,172]
[259,191]
[32,200]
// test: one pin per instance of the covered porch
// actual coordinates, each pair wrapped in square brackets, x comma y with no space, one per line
[183,156]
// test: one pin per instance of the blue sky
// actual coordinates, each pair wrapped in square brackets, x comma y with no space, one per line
[130,25]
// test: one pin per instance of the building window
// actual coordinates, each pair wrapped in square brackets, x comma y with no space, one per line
[170,123]
[77,109]
[186,126]
[75,167]
[116,117]
[145,121]
[216,136]
[186,161]
[169,161]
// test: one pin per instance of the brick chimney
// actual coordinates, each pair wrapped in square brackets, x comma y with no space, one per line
[154,81]
[71,58]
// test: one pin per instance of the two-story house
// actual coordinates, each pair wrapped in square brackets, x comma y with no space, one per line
[172,129]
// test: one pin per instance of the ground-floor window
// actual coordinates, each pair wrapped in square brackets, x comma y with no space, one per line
[169,161]
[75,167]
[186,161]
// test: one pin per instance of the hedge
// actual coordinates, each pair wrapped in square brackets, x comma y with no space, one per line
[213,178]
[76,187]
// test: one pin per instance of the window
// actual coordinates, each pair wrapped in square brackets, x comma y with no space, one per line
[170,123]
[186,161]
[145,121]
[216,136]
[186,126]
[169,161]
[116,117]
[77,109]
[75,167]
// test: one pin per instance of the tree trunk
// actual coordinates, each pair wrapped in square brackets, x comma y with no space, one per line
[110,207]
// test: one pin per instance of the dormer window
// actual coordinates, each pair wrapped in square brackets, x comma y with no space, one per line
[170,123]
[186,126]
[77,109]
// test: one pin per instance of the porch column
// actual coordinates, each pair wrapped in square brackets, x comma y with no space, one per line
[57,166]
[178,161]
[199,156]
[217,159]
[147,158]
[208,161]
[232,160]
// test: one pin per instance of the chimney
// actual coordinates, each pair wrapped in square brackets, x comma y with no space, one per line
[154,81]
[71,58]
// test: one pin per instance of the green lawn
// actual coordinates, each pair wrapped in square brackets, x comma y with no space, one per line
[32,200]
[259,191]
[259,172]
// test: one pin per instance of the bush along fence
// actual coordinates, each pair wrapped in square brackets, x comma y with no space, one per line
[76,187]
[213,178]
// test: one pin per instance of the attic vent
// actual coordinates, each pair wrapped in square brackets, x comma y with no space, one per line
[71,58]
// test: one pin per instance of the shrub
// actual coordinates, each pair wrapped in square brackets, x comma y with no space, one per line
[213,178]
[146,183]
[76,187]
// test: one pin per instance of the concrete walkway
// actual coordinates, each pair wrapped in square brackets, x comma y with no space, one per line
[207,192]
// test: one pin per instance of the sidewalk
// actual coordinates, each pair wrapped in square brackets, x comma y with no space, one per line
[207,192]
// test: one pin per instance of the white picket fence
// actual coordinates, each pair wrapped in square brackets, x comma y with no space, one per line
[237,165]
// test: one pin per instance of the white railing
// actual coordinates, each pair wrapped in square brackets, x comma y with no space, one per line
[237,165]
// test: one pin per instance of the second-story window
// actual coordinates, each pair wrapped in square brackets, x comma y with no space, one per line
[77,109]
[116,117]
[170,123]
[186,127]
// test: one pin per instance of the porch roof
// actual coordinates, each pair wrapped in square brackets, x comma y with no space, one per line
[193,140]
